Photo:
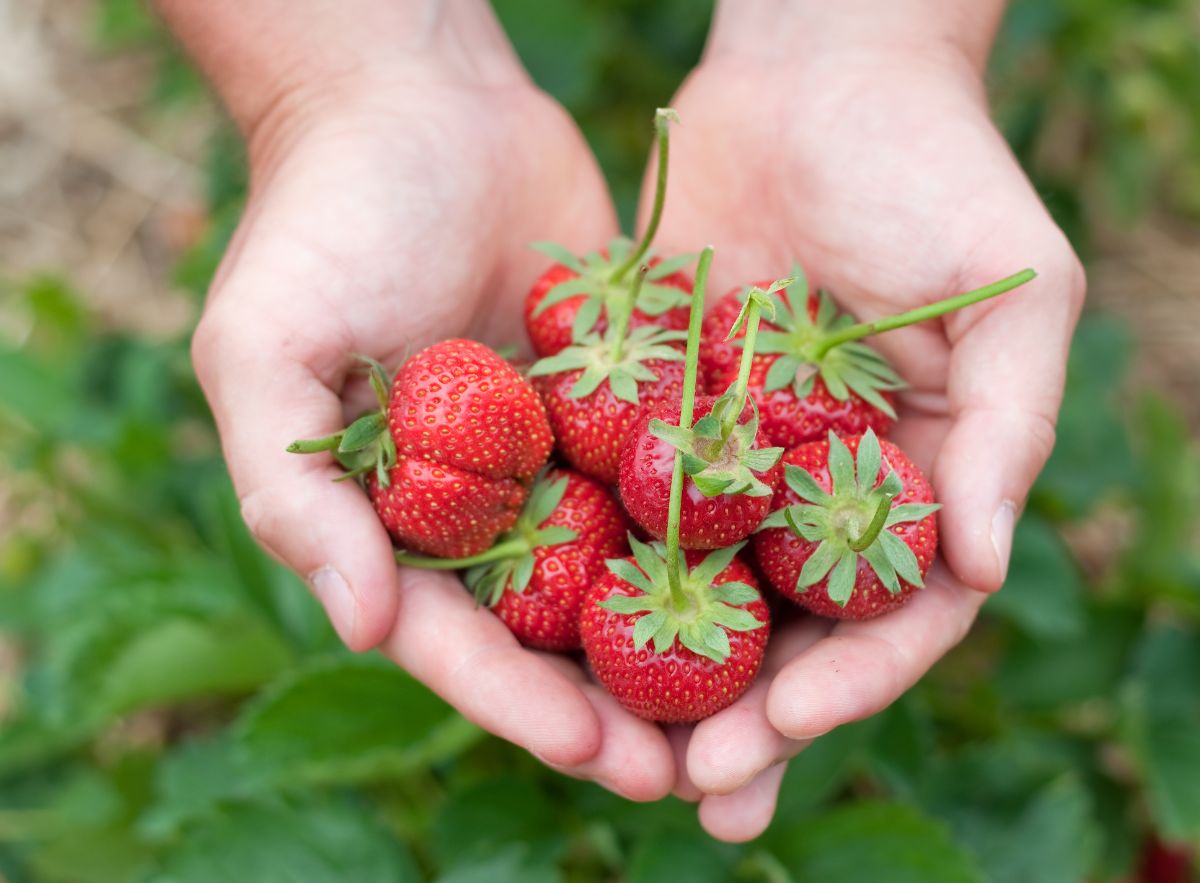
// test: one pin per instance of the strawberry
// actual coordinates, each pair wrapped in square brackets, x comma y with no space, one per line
[853,532]
[811,373]
[577,296]
[536,575]
[670,661]
[554,323]
[732,472]
[450,450]
[707,521]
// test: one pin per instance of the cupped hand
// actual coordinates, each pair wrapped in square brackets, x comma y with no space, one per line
[882,173]
[398,217]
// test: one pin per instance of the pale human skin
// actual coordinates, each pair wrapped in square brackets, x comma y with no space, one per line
[402,161]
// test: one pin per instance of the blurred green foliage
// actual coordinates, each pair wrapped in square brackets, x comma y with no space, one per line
[180,711]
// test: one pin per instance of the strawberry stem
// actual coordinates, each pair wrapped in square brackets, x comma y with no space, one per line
[877,522]
[511,549]
[686,409]
[929,311]
[662,123]
[730,419]
[315,445]
[624,314]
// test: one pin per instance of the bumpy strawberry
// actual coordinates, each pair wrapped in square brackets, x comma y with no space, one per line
[577,295]
[449,451]
[675,656]
[853,534]
[811,374]
[554,324]
[732,470]
[536,575]
[595,390]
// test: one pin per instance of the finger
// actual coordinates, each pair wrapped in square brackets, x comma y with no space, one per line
[1007,368]
[264,395]
[635,759]
[734,745]
[466,655]
[862,667]
[680,736]
[744,814]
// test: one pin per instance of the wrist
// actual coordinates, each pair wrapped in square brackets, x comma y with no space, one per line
[279,68]
[956,34]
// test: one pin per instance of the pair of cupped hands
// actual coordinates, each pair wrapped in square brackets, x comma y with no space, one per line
[401,213]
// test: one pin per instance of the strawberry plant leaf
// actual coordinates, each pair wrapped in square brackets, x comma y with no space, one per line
[841,578]
[818,565]
[802,482]
[867,461]
[901,557]
[630,573]
[668,266]
[735,593]
[714,562]
[559,254]
[841,466]
[646,627]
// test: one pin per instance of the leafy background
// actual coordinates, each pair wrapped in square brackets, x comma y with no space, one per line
[173,706]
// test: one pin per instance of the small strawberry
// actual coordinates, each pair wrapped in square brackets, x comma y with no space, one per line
[536,575]
[676,637]
[578,295]
[595,390]
[811,374]
[450,449]
[853,534]
[675,655]
[732,472]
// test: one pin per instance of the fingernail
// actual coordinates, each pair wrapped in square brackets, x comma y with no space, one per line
[335,596]
[1002,533]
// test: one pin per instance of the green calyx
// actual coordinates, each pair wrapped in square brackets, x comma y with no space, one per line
[366,445]
[509,563]
[718,452]
[602,278]
[698,615]
[828,346]
[616,357]
[852,521]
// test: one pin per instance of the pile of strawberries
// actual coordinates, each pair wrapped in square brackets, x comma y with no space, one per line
[696,455]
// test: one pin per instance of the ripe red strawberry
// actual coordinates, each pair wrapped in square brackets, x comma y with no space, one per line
[450,448]
[578,296]
[811,372]
[853,532]
[552,325]
[592,428]
[740,483]
[536,575]
[795,401]
[668,665]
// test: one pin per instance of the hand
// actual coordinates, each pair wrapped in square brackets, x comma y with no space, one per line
[399,216]
[879,170]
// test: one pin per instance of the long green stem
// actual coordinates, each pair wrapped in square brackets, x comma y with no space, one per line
[511,549]
[686,410]
[930,311]
[624,314]
[662,123]
[729,421]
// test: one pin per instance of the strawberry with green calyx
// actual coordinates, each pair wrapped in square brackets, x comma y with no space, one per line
[449,453]
[676,638]
[536,575]
[594,390]
[853,532]
[732,471]
[577,295]
[811,372]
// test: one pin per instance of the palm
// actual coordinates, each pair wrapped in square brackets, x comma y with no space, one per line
[891,187]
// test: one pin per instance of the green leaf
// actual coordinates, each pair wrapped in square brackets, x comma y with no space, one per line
[736,618]
[781,373]
[591,378]
[906,512]
[882,566]
[735,593]
[387,724]
[362,432]
[802,482]
[645,628]
[555,536]
[623,386]
[570,359]
[1044,592]
[867,462]
[841,466]
[629,604]
[901,557]
[668,266]
[558,254]
[326,840]
[626,570]
[818,564]
[650,560]
[681,855]
[545,499]
[714,563]
[585,319]
[678,438]
[833,381]
[522,573]
[761,459]
[841,579]
[871,841]
[711,486]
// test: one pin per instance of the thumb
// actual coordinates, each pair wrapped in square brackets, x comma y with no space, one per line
[1007,368]
[264,394]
